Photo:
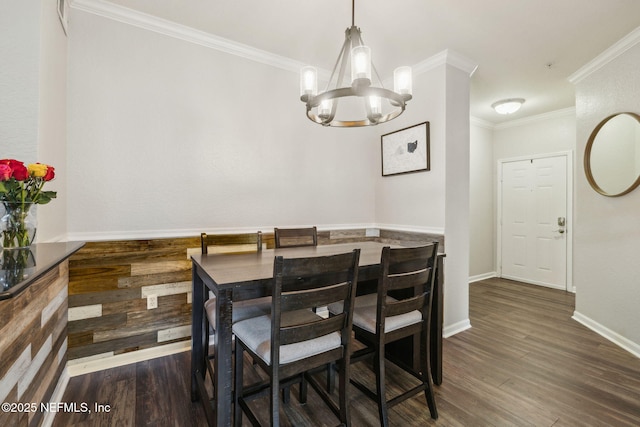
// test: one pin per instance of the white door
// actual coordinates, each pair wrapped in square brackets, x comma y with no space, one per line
[533,225]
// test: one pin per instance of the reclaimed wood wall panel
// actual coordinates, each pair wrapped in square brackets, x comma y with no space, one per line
[33,345]
[108,290]
[109,283]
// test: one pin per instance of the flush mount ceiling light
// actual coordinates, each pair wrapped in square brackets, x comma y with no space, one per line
[323,106]
[508,106]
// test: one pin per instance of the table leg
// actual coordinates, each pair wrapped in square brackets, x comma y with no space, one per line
[197,332]
[224,359]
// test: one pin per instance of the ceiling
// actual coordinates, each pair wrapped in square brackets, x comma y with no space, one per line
[523,48]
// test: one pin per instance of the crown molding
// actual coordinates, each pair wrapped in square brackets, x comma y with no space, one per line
[148,22]
[449,57]
[481,123]
[570,111]
[134,18]
[607,56]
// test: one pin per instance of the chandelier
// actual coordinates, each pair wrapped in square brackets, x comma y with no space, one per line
[378,104]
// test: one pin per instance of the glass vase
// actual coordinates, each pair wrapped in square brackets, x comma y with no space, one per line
[15,266]
[18,225]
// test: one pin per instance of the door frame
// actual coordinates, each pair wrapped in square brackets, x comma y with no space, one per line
[569,157]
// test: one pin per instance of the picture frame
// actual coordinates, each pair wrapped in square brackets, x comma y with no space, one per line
[63,9]
[406,150]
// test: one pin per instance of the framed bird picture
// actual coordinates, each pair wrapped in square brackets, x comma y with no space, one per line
[406,150]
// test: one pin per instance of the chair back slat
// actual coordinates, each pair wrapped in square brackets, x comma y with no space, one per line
[409,280]
[298,300]
[314,281]
[295,237]
[307,331]
[240,243]
[404,260]
[405,306]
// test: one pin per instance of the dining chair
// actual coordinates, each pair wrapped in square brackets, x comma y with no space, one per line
[295,237]
[293,340]
[401,308]
[230,244]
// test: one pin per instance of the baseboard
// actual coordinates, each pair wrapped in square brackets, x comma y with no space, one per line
[451,330]
[607,333]
[58,393]
[88,365]
[483,276]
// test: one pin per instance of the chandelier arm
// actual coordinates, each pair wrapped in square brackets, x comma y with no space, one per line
[342,61]
[353,123]
[375,71]
[397,100]
[344,55]
[335,66]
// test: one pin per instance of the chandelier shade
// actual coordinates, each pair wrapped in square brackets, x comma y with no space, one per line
[377,104]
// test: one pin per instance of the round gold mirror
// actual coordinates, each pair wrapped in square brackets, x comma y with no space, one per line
[612,156]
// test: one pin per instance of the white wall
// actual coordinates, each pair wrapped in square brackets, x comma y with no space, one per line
[482,231]
[19,88]
[167,137]
[33,92]
[417,200]
[547,133]
[456,231]
[438,200]
[52,125]
[607,229]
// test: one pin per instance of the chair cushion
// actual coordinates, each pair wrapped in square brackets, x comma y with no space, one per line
[241,309]
[255,333]
[364,314]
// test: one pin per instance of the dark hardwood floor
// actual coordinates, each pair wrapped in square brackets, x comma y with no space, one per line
[524,362]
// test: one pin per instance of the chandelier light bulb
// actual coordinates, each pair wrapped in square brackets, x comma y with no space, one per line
[360,64]
[308,81]
[375,103]
[324,109]
[402,81]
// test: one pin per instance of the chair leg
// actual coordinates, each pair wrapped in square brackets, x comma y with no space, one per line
[286,395]
[345,416]
[302,398]
[426,375]
[380,385]
[239,373]
[275,398]
[331,377]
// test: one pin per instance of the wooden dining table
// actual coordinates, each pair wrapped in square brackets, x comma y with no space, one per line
[249,275]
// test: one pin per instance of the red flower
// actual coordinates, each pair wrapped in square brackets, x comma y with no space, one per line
[5,172]
[19,170]
[51,173]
